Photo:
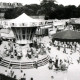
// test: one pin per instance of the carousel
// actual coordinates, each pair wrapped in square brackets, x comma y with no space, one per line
[25,52]
[24,28]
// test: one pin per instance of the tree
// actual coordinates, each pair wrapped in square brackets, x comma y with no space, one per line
[58,13]
[78,11]
[47,7]
[32,9]
[70,11]
[13,13]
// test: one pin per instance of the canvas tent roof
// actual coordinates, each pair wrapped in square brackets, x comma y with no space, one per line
[23,18]
[67,35]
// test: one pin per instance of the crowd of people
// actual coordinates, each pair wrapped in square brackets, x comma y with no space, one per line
[66,45]
[67,48]
[58,64]
[10,73]
[35,49]
[13,50]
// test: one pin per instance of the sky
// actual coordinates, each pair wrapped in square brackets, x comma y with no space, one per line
[69,2]
[64,2]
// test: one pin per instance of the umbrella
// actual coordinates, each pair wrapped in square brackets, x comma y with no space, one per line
[66,35]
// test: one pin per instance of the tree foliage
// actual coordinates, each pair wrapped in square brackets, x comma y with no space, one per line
[49,8]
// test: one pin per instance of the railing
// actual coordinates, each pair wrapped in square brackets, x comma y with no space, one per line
[24,65]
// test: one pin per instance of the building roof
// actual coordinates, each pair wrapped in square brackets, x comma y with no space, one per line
[8,35]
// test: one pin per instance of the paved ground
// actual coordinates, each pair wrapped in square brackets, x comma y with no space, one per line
[43,73]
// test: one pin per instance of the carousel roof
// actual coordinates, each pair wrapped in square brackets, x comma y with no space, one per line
[67,35]
[23,18]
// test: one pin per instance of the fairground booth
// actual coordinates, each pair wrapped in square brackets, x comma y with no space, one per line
[75,23]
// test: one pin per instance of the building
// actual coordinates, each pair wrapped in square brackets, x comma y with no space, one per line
[4,6]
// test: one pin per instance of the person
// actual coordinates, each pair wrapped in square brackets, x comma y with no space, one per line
[58,47]
[15,52]
[29,54]
[61,62]
[14,40]
[5,72]
[15,76]
[14,48]
[50,64]
[75,46]
[31,78]
[12,55]
[24,76]
[35,65]
[9,72]
[21,76]
[64,51]
[7,53]
[78,60]
[0,58]
[52,77]
[19,55]
[56,61]
[63,67]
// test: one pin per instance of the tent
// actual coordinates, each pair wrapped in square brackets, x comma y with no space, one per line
[67,35]
[7,35]
[6,31]
[22,18]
